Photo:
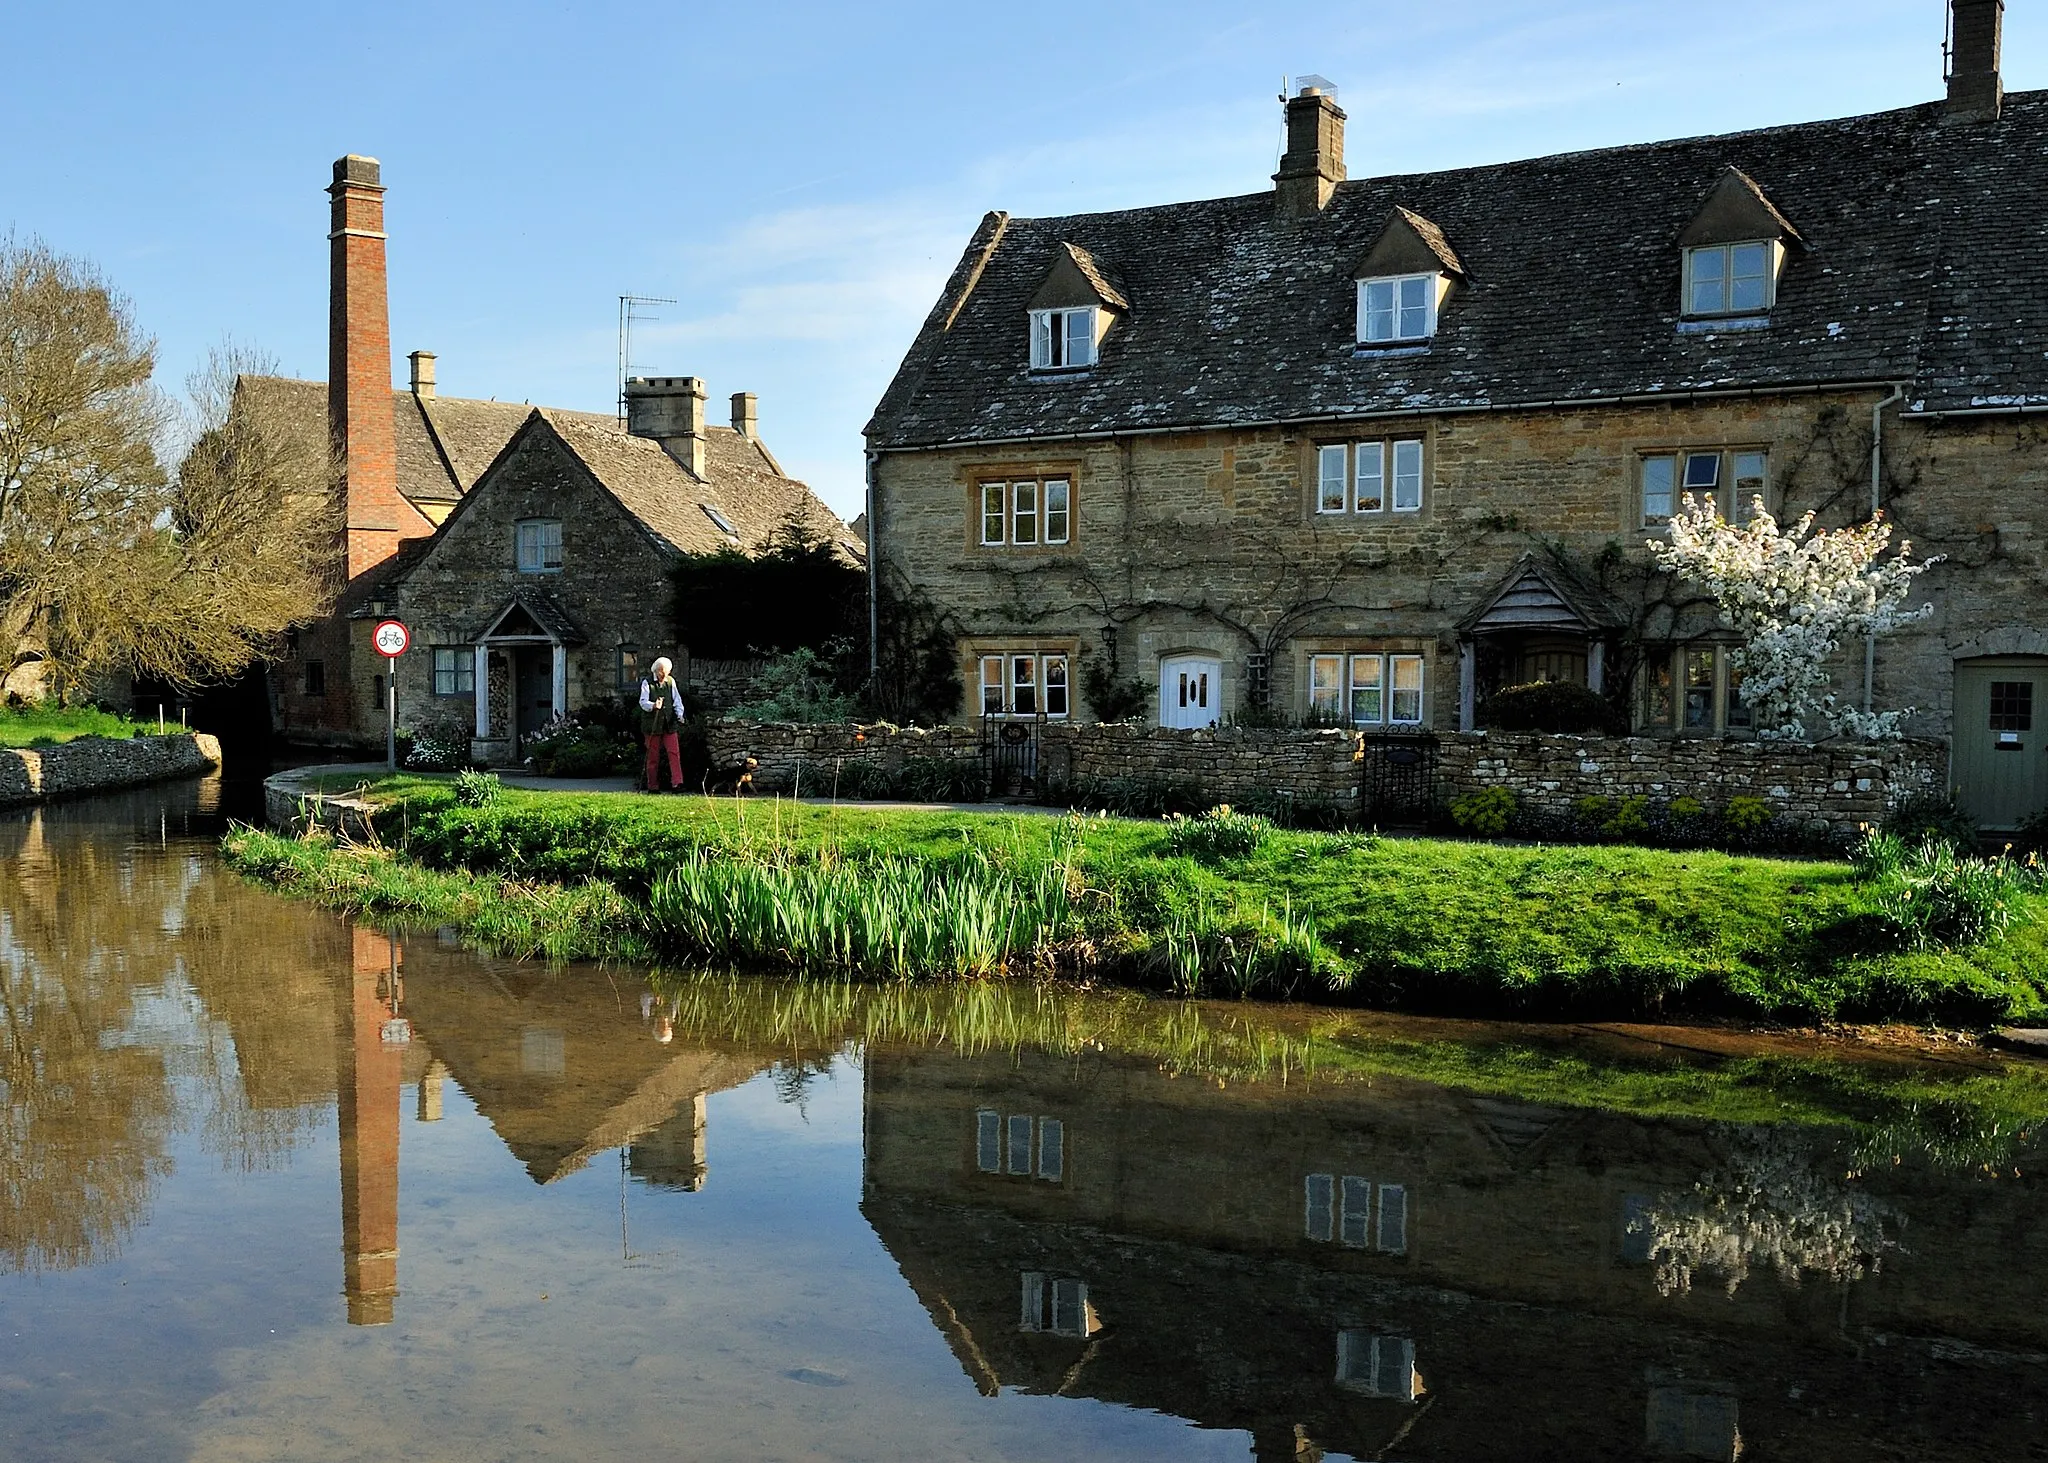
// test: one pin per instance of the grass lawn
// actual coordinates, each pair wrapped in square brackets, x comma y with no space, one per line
[1411,924]
[47,725]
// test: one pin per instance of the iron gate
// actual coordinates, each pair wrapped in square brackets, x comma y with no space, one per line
[1009,755]
[1399,779]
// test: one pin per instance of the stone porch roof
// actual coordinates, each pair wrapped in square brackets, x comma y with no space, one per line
[1921,257]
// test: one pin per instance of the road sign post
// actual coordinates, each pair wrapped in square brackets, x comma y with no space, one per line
[390,638]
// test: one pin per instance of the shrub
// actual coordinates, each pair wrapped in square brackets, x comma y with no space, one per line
[1930,896]
[475,789]
[1629,821]
[1747,816]
[1549,706]
[440,746]
[1932,815]
[580,746]
[1488,813]
[1221,833]
[796,686]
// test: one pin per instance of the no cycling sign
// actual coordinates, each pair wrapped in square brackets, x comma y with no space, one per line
[391,638]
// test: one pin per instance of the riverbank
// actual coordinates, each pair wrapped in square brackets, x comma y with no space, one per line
[1209,906]
[89,764]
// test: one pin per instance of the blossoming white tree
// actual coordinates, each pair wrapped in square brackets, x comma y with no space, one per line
[1794,594]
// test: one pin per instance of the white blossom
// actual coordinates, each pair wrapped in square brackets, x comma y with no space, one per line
[1793,595]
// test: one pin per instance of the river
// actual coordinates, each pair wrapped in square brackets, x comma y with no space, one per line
[274,1185]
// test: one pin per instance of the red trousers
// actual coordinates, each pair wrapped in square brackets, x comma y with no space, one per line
[656,743]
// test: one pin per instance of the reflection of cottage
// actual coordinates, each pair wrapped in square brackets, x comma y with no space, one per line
[1393,1266]
[574,568]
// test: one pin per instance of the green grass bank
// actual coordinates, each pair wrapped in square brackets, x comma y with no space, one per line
[1210,907]
[48,724]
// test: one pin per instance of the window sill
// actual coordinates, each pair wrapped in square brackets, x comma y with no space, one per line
[555,570]
[1381,349]
[1061,373]
[1713,324]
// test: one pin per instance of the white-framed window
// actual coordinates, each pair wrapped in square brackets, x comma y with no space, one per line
[1062,339]
[1377,1366]
[1343,1209]
[454,670]
[1024,683]
[1366,688]
[539,543]
[1694,690]
[1733,479]
[1057,1305]
[1369,476]
[1730,279]
[1398,307]
[1027,512]
[1020,1145]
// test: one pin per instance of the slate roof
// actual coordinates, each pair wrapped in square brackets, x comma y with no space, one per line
[1925,263]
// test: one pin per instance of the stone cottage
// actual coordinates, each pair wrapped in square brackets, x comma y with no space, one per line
[546,588]
[1367,450]
[406,460]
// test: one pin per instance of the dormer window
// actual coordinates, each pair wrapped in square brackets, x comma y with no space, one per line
[1063,339]
[1730,279]
[1398,308]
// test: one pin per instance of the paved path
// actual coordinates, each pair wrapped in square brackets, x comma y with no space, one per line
[371,771]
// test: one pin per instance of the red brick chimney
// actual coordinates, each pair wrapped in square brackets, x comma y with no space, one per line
[359,366]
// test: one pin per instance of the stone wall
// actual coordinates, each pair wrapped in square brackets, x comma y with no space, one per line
[805,759]
[1840,784]
[1231,765]
[96,764]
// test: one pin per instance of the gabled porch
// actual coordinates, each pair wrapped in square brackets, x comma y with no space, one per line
[1540,622]
[523,651]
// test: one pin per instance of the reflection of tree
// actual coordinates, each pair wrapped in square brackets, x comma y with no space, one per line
[1767,1205]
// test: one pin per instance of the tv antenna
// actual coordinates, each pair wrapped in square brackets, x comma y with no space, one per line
[631,310]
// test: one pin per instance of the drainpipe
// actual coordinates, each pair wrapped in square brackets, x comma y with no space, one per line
[1876,506]
[874,569]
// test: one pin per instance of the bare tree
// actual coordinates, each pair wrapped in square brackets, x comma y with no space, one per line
[107,562]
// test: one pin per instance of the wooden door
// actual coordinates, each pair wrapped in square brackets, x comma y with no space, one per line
[1999,756]
[533,676]
[1190,691]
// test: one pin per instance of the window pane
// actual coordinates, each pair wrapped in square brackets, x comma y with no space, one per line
[1058,495]
[1052,1149]
[1069,1307]
[1393,1367]
[1320,1194]
[1080,337]
[629,667]
[1407,674]
[1407,476]
[1031,1314]
[2012,706]
[1394,1219]
[1657,477]
[552,533]
[1699,689]
[1354,1357]
[1372,476]
[1702,471]
[1356,1225]
[1709,281]
[988,1141]
[1368,675]
[1055,685]
[993,517]
[1738,709]
[1657,699]
[1020,1143]
[991,685]
[1024,684]
[1749,485]
[1749,286]
[1414,321]
[1042,339]
[1324,673]
[1024,522]
[1379,309]
[1330,479]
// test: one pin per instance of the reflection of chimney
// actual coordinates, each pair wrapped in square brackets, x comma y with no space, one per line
[430,1091]
[368,1113]
[670,409]
[422,374]
[359,364]
[1976,92]
[1313,164]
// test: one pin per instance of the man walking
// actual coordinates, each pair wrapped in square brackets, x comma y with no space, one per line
[661,715]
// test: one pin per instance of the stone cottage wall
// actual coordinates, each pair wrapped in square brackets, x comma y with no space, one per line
[1841,784]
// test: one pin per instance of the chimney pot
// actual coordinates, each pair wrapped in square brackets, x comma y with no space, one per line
[422,374]
[670,409]
[743,414]
[1976,91]
[1313,164]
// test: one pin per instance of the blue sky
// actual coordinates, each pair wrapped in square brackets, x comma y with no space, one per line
[799,177]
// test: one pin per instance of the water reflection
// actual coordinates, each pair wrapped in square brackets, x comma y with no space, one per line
[973,1221]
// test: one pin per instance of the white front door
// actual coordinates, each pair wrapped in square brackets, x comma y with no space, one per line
[1190,690]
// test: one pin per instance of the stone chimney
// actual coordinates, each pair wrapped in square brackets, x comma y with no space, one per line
[1313,164]
[359,364]
[1976,93]
[744,420]
[422,374]
[670,409]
